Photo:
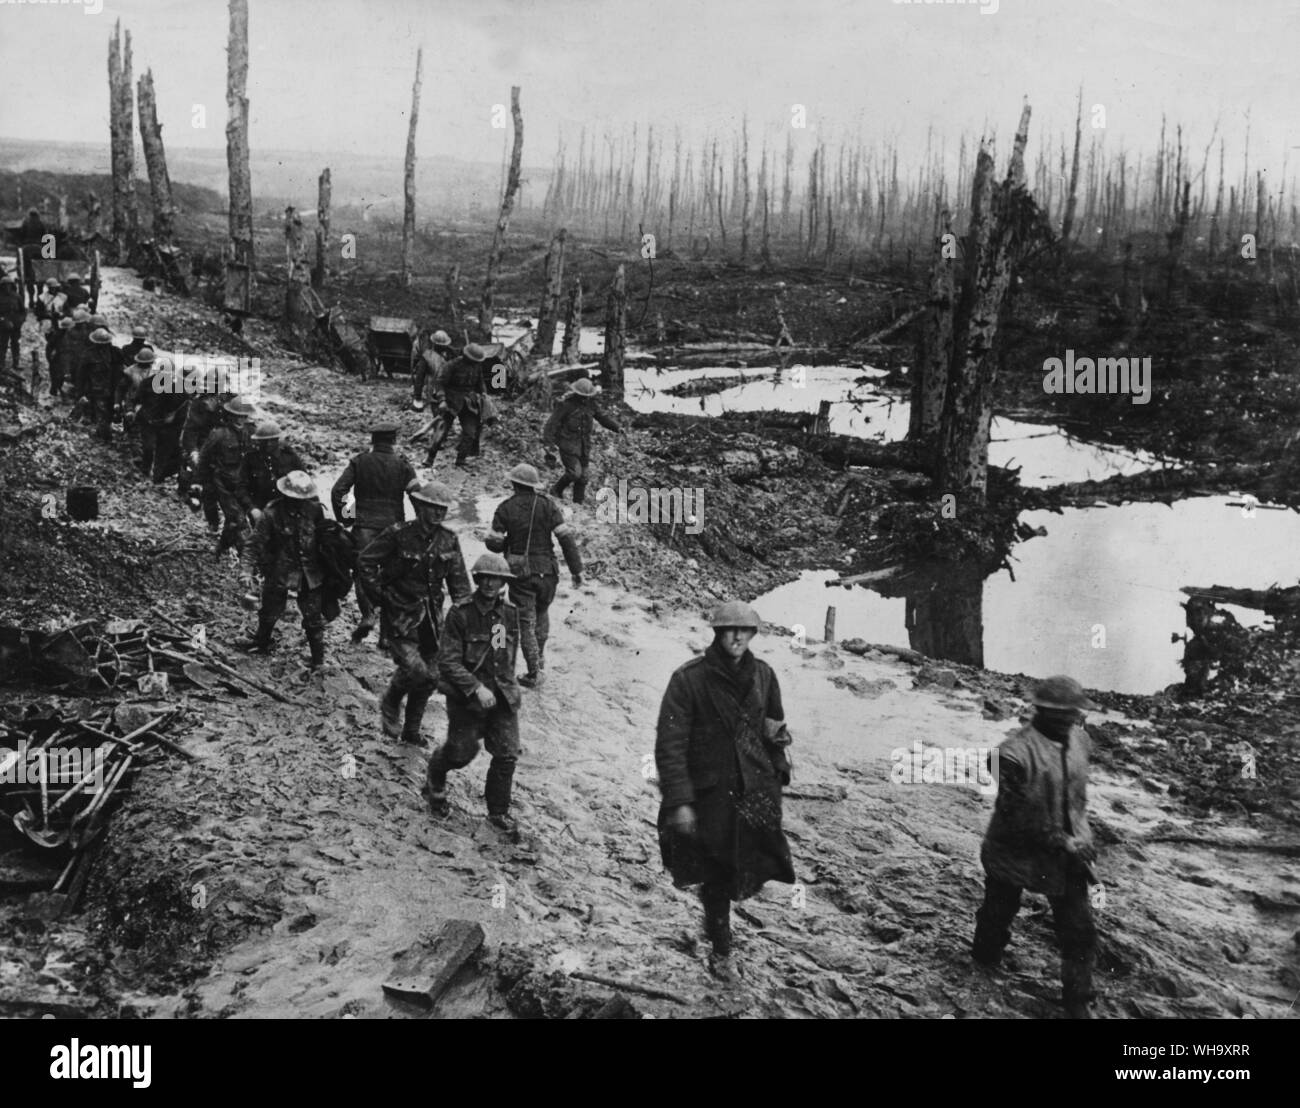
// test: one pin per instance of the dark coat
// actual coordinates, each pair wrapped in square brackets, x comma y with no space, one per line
[464,384]
[720,747]
[377,480]
[263,468]
[525,528]
[221,462]
[286,544]
[404,572]
[570,426]
[479,646]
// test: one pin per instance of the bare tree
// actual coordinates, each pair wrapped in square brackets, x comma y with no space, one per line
[408,182]
[241,182]
[160,185]
[503,219]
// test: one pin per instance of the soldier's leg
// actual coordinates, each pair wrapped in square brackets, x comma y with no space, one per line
[235,522]
[148,437]
[572,471]
[405,653]
[1073,915]
[464,729]
[423,683]
[716,899]
[467,444]
[417,378]
[580,482]
[993,920]
[211,506]
[313,623]
[167,452]
[501,737]
[361,538]
[545,596]
[274,600]
[523,594]
[104,417]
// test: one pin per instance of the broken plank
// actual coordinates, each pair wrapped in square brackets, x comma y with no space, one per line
[423,972]
[627,986]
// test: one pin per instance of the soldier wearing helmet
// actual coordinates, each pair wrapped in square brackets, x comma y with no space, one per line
[220,471]
[460,395]
[1039,838]
[525,528]
[722,752]
[285,552]
[160,414]
[54,354]
[203,414]
[377,480]
[12,315]
[76,293]
[429,367]
[477,665]
[98,379]
[404,570]
[569,430]
[269,459]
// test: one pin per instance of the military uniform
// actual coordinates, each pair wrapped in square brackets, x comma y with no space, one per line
[523,528]
[569,429]
[12,314]
[285,551]
[462,399]
[377,480]
[263,468]
[220,471]
[97,385]
[404,571]
[429,377]
[202,417]
[161,416]
[479,645]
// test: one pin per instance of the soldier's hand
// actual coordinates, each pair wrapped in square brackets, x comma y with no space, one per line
[682,820]
[194,457]
[486,697]
[551,460]
[577,580]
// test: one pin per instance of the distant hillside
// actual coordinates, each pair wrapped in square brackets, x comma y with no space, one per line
[445,188]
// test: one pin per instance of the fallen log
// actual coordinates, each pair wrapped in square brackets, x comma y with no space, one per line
[870,575]
[885,332]
[1287,850]
[859,646]
[627,986]
[1274,601]
[229,671]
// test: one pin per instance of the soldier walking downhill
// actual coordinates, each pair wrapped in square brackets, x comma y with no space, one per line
[285,552]
[429,369]
[269,459]
[523,528]
[477,662]
[569,429]
[722,752]
[377,480]
[405,570]
[460,392]
[1039,838]
[220,472]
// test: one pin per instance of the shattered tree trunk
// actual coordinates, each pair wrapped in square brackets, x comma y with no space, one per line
[321,271]
[408,179]
[933,348]
[744,185]
[121,106]
[160,185]
[611,365]
[1067,224]
[569,350]
[554,285]
[241,182]
[455,316]
[503,220]
[998,218]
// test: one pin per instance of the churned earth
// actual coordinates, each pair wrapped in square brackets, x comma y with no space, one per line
[281,872]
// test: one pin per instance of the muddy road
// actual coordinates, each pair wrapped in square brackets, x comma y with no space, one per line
[281,872]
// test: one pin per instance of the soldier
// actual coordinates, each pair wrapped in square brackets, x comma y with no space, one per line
[1039,838]
[98,381]
[129,386]
[285,553]
[76,295]
[404,570]
[430,366]
[722,752]
[202,416]
[30,236]
[523,528]
[49,305]
[270,459]
[461,397]
[477,661]
[377,479]
[569,429]
[160,413]
[221,468]
[12,314]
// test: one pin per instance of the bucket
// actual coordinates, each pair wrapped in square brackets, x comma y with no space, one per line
[83,502]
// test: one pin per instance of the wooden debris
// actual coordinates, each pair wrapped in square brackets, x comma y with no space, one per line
[423,973]
[627,986]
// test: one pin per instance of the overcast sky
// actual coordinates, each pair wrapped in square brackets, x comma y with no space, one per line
[334,75]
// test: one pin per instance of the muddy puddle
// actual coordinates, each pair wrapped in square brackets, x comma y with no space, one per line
[859,407]
[1098,597]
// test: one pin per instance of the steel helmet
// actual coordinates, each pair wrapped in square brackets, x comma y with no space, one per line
[582,387]
[138,331]
[524,474]
[735,613]
[492,565]
[434,492]
[440,338]
[267,429]
[52,283]
[66,324]
[238,406]
[144,356]
[100,336]
[475,353]
[80,315]
[74,279]
[1061,692]
[297,485]
[8,279]
[98,320]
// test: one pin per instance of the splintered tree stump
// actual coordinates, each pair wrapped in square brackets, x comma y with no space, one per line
[422,973]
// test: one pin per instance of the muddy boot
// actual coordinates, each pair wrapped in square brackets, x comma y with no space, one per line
[723,968]
[435,786]
[260,643]
[415,705]
[580,490]
[557,490]
[390,711]
[717,918]
[496,790]
[363,629]
[316,643]
[1076,985]
[533,679]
